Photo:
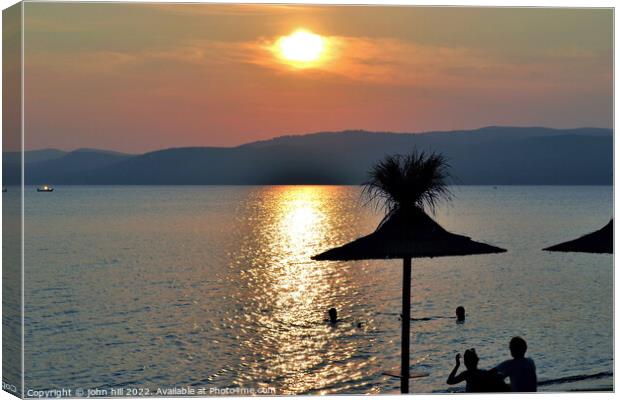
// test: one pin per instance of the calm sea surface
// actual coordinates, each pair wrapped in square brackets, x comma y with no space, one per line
[161,287]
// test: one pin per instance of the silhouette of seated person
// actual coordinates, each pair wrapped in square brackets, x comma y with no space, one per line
[477,380]
[521,370]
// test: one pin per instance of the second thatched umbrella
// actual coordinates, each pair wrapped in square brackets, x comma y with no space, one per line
[601,241]
[406,185]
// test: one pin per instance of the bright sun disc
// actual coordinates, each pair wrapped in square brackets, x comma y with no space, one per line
[301,46]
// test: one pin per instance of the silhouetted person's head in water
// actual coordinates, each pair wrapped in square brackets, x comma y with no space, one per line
[518,347]
[333,315]
[460,314]
[470,358]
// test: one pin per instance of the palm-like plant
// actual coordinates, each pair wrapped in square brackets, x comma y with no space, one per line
[406,186]
[404,182]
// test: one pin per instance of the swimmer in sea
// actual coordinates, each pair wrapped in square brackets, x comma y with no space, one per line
[460,314]
[333,316]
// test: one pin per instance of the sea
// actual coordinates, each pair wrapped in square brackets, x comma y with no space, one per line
[161,290]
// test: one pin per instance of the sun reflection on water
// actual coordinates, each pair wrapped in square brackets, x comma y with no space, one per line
[288,294]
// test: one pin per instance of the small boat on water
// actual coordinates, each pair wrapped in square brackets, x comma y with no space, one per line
[45,188]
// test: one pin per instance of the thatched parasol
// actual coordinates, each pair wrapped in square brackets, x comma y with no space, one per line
[407,234]
[601,241]
[407,184]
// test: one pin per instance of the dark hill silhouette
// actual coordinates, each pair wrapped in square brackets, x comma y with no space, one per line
[76,162]
[491,156]
[32,156]
[471,136]
[50,164]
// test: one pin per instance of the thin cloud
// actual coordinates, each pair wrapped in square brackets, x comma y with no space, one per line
[357,59]
[237,10]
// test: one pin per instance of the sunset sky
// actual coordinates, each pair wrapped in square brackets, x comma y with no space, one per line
[140,77]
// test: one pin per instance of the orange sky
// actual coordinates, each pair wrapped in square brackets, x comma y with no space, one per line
[139,77]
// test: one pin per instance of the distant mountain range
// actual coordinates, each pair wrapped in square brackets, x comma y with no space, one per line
[487,156]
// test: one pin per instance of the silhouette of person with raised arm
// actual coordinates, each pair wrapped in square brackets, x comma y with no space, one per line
[521,370]
[477,380]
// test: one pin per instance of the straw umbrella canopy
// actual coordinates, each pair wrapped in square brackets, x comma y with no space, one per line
[601,241]
[406,186]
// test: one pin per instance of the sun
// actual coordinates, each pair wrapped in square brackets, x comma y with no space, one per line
[301,48]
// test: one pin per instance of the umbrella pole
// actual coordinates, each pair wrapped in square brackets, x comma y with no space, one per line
[406,323]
